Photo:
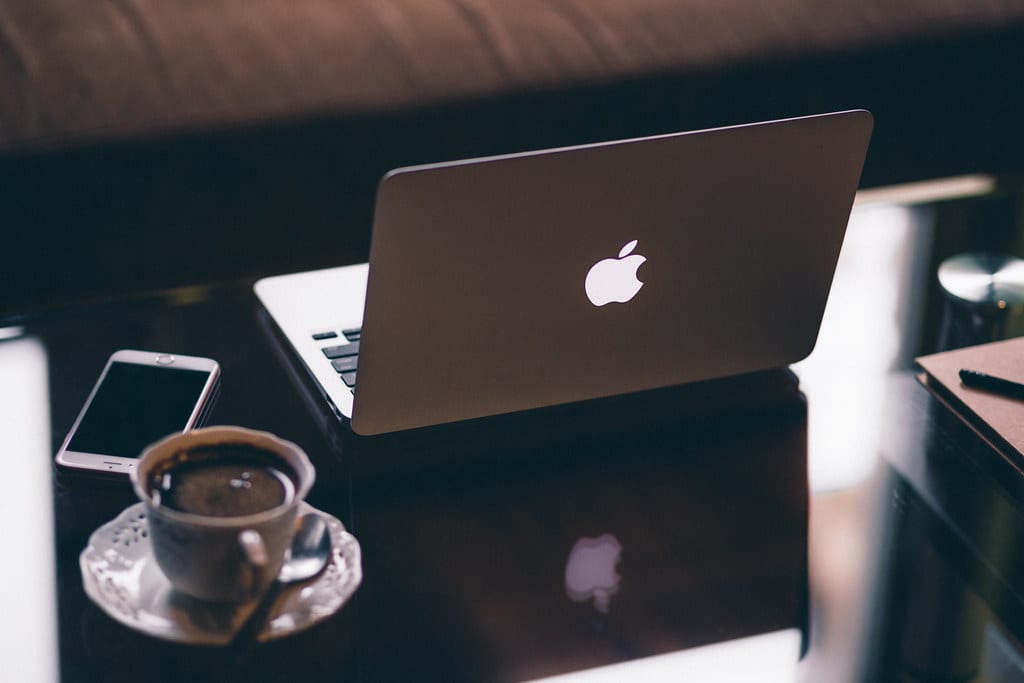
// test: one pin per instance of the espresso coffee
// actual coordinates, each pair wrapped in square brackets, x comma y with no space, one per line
[227,480]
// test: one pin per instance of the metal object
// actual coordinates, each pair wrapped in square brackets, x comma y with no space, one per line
[477,300]
[310,550]
[984,298]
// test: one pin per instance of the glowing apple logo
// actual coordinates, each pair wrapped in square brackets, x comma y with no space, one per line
[614,279]
[590,573]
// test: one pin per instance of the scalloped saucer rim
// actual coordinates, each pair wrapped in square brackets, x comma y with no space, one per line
[120,576]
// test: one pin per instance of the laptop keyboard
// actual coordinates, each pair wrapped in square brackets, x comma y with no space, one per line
[343,356]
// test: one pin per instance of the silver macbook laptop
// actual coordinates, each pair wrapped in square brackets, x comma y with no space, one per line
[507,283]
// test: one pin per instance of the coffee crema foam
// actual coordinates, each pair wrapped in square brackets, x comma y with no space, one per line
[228,480]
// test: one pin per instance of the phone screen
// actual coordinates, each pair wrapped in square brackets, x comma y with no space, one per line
[135,406]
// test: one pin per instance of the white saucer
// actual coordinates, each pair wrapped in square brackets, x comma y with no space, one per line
[121,576]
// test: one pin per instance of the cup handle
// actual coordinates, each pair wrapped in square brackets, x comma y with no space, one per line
[253,548]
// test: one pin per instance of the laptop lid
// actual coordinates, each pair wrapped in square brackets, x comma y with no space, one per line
[508,283]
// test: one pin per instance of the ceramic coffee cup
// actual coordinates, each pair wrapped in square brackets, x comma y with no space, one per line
[221,504]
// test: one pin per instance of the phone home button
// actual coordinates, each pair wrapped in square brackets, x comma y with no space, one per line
[165,359]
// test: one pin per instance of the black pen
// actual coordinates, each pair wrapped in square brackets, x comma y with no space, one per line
[996,385]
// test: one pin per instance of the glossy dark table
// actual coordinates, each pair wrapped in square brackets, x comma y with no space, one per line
[755,528]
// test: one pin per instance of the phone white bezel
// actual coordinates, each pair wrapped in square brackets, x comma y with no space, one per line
[110,464]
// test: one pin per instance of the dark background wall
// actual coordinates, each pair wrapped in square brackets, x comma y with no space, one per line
[155,210]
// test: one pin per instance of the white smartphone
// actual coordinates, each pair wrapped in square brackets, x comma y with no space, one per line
[140,397]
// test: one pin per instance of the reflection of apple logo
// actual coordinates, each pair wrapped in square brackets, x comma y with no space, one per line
[614,279]
[590,571]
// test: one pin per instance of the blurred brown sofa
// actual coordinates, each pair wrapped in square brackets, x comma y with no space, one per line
[151,143]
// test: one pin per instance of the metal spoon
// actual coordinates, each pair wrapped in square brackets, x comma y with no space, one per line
[310,551]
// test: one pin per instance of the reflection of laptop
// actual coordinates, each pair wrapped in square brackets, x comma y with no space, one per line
[501,284]
[617,549]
